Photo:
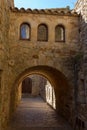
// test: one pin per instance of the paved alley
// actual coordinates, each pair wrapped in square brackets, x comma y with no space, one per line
[35,114]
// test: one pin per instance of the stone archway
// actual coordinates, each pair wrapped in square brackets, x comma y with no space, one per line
[57,80]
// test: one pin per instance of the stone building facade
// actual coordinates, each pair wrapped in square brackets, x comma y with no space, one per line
[81,9]
[50,43]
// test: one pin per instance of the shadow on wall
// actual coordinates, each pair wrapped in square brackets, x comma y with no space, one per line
[81,119]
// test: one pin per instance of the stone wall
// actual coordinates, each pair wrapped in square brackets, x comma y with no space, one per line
[50,95]
[33,52]
[4,73]
[55,60]
[81,8]
[43,82]
[4,62]
[25,54]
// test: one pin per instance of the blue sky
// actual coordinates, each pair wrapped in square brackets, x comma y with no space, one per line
[39,4]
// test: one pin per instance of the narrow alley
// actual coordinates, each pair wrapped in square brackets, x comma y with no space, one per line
[33,113]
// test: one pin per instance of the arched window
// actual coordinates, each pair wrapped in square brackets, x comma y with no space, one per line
[25,31]
[59,33]
[42,34]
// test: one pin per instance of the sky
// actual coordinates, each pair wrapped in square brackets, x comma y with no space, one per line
[42,4]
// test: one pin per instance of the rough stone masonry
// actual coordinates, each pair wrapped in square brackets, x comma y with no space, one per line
[49,42]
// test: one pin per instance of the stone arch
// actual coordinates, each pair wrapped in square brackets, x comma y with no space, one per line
[58,81]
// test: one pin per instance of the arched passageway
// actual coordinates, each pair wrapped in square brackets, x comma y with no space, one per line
[36,85]
[57,80]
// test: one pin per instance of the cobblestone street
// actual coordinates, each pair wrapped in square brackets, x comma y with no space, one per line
[35,114]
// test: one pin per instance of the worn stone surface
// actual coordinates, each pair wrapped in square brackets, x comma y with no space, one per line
[81,8]
[34,113]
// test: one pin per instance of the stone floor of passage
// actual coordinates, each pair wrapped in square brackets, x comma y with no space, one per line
[35,114]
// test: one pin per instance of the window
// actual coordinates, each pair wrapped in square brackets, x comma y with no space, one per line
[42,34]
[25,31]
[59,33]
